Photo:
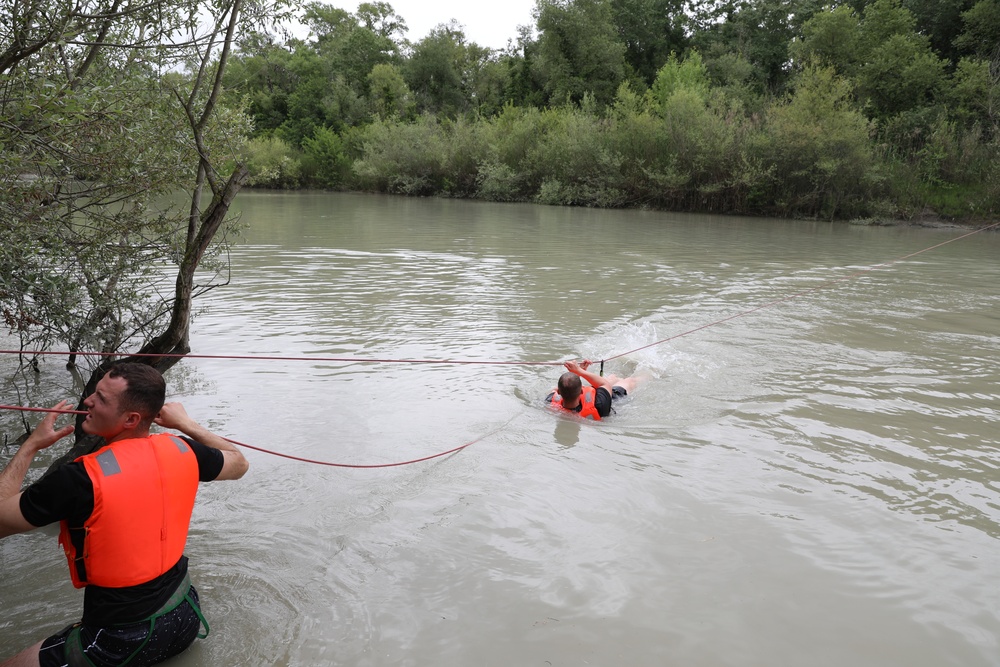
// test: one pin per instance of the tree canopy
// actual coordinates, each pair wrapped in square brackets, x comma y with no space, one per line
[923,76]
[111,114]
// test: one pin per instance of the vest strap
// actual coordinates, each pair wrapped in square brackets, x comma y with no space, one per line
[75,656]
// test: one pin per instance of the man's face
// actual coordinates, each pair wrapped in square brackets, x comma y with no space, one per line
[104,415]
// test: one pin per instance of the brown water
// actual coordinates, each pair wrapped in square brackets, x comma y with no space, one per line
[814,483]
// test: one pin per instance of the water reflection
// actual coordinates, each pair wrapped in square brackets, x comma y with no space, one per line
[567,431]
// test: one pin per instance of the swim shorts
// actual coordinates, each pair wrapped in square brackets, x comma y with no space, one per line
[171,633]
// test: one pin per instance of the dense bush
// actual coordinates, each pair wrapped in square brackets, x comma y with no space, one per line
[872,118]
[402,158]
[816,149]
[325,162]
[273,163]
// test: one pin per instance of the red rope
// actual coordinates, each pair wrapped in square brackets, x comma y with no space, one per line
[372,465]
[363,360]
[794,296]
[460,361]
[18,407]
[289,456]
[352,360]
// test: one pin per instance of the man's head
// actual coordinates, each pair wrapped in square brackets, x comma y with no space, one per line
[125,401]
[569,387]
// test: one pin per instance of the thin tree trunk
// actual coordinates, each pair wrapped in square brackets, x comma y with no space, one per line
[174,340]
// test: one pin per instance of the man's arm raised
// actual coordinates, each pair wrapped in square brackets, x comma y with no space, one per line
[12,477]
[594,379]
[174,416]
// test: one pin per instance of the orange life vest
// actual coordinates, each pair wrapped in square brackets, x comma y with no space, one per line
[144,490]
[587,407]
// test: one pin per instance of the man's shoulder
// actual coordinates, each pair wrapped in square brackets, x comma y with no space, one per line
[64,492]
[210,459]
[601,393]
[70,472]
[602,401]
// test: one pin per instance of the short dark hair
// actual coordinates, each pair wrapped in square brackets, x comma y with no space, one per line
[569,386]
[145,390]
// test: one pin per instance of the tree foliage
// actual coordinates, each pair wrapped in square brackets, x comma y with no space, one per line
[816,148]
[980,35]
[579,50]
[109,109]
[445,70]
[650,30]
[686,102]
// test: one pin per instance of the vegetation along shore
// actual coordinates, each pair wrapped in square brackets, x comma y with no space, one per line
[871,111]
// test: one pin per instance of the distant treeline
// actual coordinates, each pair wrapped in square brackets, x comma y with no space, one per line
[777,107]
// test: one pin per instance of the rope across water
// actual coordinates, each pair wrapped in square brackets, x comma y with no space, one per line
[289,456]
[314,359]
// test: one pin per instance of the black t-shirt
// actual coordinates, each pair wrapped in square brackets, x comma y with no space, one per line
[68,494]
[602,402]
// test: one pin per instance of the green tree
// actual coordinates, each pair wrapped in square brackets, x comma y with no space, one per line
[434,70]
[390,96]
[759,31]
[831,38]
[579,50]
[522,81]
[381,19]
[489,84]
[941,21]
[446,72]
[893,66]
[352,44]
[816,148]
[900,72]
[99,127]
[326,157]
[980,33]
[306,102]
[974,95]
[884,19]
[650,30]
[328,25]
[688,74]
[262,74]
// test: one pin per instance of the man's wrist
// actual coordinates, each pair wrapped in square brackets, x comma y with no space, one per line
[32,446]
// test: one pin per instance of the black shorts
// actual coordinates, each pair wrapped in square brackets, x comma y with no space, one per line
[171,633]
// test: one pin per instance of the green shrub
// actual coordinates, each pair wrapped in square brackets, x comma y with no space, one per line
[325,162]
[273,163]
[573,163]
[817,148]
[464,149]
[402,158]
[497,182]
[511,136]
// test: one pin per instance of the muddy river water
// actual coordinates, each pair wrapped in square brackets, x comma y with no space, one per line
[813,483]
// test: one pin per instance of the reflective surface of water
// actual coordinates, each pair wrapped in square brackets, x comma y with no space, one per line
[812,483]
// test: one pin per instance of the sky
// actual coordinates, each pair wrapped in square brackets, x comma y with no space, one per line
[486,23]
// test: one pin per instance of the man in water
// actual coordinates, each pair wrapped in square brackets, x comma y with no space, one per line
[124,513]
[593,401]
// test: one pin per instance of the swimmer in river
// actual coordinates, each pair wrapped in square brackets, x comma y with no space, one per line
[592,401]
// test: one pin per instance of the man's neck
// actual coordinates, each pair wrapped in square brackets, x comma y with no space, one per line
[129,435]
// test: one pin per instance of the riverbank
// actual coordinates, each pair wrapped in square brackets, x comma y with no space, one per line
[928,219]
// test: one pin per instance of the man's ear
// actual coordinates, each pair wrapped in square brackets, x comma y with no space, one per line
[132,420]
